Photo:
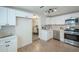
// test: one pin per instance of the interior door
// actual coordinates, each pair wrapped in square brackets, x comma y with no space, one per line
[23,31]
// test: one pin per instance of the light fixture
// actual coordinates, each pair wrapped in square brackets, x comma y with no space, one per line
[55,9]
[35,16]
[50,11]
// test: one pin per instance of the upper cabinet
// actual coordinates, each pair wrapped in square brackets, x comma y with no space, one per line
[7,16]
[11,17]
[3,15]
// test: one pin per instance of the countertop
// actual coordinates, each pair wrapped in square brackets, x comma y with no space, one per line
[3,35]
[6,36]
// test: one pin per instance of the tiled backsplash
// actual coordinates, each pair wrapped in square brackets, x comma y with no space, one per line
[8,29]
[58,26]
[54,26]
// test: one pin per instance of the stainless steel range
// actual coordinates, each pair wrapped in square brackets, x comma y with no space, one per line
[71,34]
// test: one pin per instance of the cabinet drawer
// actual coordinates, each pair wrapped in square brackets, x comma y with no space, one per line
[2,42]
[11,47]
[9,41]
[8,44]
[2,46]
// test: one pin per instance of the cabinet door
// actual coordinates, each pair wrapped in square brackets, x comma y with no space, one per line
[2,46]
[8,44]
[3,15]
[11,17]
[56,34]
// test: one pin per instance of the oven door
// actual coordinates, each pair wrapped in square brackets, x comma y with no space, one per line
[71,37]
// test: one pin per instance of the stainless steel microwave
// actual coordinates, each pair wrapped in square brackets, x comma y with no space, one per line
[72,21]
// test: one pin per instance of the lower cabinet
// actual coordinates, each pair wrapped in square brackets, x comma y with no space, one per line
[56,34]
[2,48]
[46,35]
[8,44]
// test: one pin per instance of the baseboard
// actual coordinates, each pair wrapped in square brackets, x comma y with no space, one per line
[50,39]
[56,39]
[25,44]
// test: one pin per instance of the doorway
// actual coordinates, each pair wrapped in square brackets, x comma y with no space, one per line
[35,28]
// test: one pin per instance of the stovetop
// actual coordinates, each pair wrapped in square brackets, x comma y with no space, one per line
[72,30]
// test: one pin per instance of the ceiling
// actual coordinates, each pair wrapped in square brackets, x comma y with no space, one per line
[41,11]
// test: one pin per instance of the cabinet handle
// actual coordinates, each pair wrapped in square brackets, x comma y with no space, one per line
[7,41]
[7,45]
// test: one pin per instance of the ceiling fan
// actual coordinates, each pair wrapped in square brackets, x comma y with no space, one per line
[51,10]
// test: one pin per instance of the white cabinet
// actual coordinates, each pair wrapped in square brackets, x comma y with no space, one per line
[2,46]
[11,44]
[3,15]
[46,35]
[8,44]
[7,16]
[11,17]
[62,35]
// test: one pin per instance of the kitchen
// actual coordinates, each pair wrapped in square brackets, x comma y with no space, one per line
[52,26]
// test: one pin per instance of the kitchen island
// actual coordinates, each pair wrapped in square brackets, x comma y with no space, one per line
[46,34]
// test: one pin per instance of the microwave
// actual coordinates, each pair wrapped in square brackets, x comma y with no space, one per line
[72,21]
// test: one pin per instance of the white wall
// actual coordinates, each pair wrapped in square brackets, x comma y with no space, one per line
[41,22]
[43,19]
[23,14]
[60,19]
